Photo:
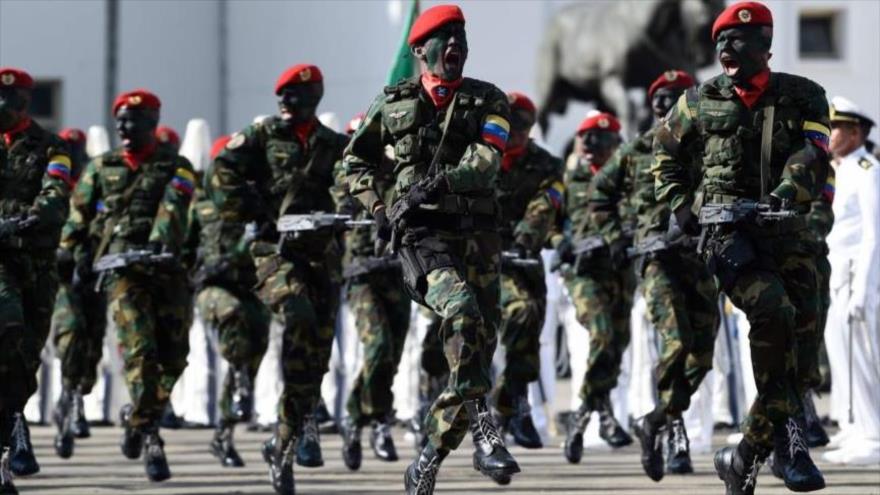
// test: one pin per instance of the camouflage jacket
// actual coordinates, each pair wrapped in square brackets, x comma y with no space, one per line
[265,172]
[577,199]
[712,123]
[531,196]
[821,216]
[359,241]
[405,119]
[34,180]
[130,207]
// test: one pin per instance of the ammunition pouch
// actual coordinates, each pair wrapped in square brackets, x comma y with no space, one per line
[730,256]
[418,258]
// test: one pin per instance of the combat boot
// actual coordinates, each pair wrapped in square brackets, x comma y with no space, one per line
[63,418]
[7,487]
[170,420]
[279,455]
[381,441]
[22,461]
[242,404]
[132,440]
[79,424]
[223,447]
[792,458]
[308,447]
[609,429]
[678,448]
[421,475]
[352,453]
[521,426]
[491,457]
[325,420]
[738,467]
[650,435]
[814,432]
[155,463]
[574,433]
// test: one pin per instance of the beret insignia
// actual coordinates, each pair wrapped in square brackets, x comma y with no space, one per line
[8,79]
[134,100]
[671,75]
[744,15]
[305,75]
[236,141]
[603,123]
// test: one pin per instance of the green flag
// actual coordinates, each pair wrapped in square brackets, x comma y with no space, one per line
[404,64]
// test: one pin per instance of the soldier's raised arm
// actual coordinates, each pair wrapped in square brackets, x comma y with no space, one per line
[539,222]
[83,207]
[170,225]
[672,178]
[478,167]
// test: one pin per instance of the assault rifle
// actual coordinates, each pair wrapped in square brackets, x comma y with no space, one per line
[131,257]
[206,273]
[512,258]
[317,220]
[9,226]
[742,209]
[658,243]
[372,264]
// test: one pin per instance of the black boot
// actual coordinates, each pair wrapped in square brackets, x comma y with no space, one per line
[22,461]
[279,455]
[132,440]
[352,453]
[242,404]
[738,467]
[521,426]
[170,420]
[491,457]
[679,449]
[574,433]
[79,426]
[308,448]
[814,432]
[609,429]
[382,443]
[223,447]
[322,414]
[63,417]
[421,475]
[155,463]
[792,458]
[650,435]
[7,487]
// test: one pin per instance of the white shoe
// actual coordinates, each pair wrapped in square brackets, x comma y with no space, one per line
[862,453]
[839,439]
[734,438]
[835,456]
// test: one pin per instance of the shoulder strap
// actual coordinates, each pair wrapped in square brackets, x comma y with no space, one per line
[766,147]
[111,223]
[432,168]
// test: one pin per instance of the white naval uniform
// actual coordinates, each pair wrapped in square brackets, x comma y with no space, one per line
[854,254]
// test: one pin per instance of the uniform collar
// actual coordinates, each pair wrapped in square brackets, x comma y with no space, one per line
[754,89]
[304,131]
[856,154]
[512,156]
[17,129]
[438,90]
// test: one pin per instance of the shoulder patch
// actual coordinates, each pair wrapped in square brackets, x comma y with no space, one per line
[865,163]
[236,141]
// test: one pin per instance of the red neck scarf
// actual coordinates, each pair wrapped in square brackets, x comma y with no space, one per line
[134,159]
[756,87]
[304,130]
[439,90]
[511,155]
[594,168]
[16,130]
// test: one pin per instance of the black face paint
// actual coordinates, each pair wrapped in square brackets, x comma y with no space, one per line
[742,52]
[136,127]
[663,100]
[13,106]
[446,51]
[599,146]
[298,103]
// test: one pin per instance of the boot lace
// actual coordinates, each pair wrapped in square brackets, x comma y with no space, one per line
[427,477]
[752,475]
[580,418]
[153,444]
[310,429]
[5,473]
[680,441]
[20,433]
[795,438]
[487,428]
[383,430]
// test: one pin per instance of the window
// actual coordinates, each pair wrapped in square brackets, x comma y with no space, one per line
[46,104]
[820,35]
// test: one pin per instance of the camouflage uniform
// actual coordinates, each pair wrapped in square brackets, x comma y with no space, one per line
[151,305]
[679,291]
[266,171]
[776,287]
[531,196]
[453,250]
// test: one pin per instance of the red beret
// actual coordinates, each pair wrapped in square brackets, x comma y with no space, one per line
[72,135]
[16,78]
[519,101]
[671,79]
[432,19]
[168,135]
[354,123]
[742,13]
[219,144]
[300,73]
[137,98]
[602,121]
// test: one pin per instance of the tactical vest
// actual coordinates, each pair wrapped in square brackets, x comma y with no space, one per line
[653,216]
[22,167]
[518,186]
[577,199]
[219,244]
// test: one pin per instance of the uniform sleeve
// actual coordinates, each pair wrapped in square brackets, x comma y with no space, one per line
[478,167]
[821,217]
[52,203]
[605,193]
[867,270]
[83,205]
[189,251]
[672,176]
[170,224]
[363,157]
[540,218]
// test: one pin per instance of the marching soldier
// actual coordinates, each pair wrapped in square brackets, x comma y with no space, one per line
[530,193]
[140,194]
[763,140]
[35,177]
[599,285]
[448,133]
[284,165]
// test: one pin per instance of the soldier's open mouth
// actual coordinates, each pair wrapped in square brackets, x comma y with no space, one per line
[729,64]
[452,58]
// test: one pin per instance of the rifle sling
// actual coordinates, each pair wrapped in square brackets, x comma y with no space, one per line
[766,147]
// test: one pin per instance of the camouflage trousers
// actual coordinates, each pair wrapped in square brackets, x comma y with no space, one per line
[153,313]
[467,298]
[602,298]
[303,294]
[778,294]
[682,302]
[27,294]
[809,374]
[381,311]
[79,322]
[242,325]
[523,303]
[434,368]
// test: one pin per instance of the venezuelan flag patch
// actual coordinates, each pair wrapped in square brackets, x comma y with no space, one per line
[495,131]
[59,167]
[100,207]
[556,193]
[183,181]
[829,188]
[817,133]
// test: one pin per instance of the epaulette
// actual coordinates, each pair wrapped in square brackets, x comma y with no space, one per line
[865,163]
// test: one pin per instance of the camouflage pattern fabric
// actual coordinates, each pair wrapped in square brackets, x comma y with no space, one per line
[79,321]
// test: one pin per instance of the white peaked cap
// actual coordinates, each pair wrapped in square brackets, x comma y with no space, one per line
[844,110]
[196,145]
[97,141]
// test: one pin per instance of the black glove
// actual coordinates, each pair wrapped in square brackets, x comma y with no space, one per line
[520,250]
[155,247]
[383,226]
[687,221]
[427,191]
[65,263]
[617,252]
[565,251]
[774,202]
